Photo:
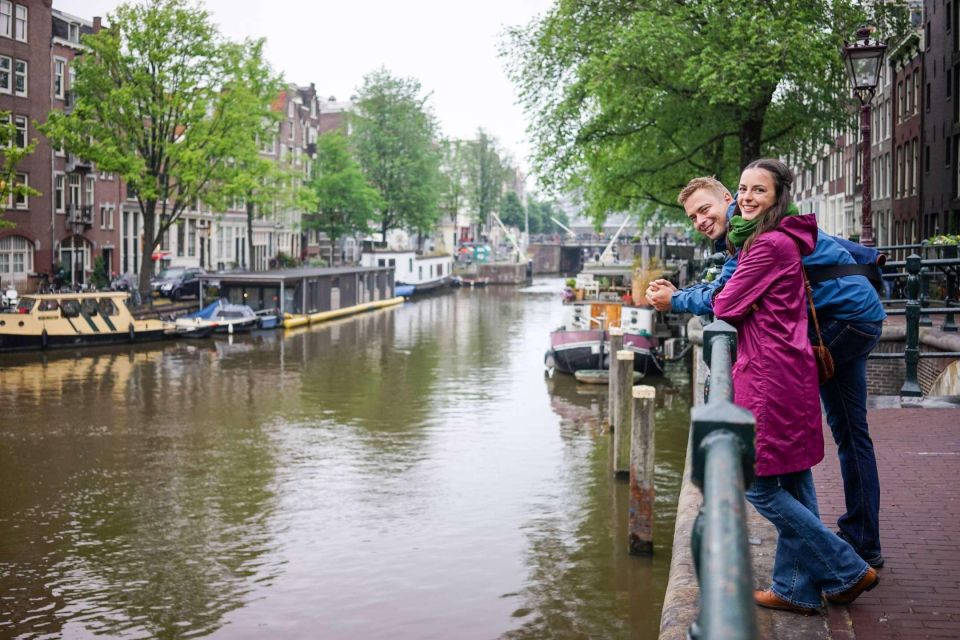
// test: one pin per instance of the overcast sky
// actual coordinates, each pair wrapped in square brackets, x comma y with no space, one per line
[450,46]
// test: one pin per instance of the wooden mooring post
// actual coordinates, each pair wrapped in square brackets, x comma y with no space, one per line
[623,372]
[642,460]
[616,344]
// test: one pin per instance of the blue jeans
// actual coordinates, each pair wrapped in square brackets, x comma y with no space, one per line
[845,402]
[810,558]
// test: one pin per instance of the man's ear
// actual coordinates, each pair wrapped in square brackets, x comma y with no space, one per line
[727,198]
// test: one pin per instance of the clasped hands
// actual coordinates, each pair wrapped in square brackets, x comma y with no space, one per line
[659,292]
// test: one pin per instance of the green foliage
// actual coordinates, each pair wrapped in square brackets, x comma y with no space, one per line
[12,154]
[453,177]
[944,239]
[512,212]
[345,202]
[100,277]
[542,215]
[393,134]
[486,172]
[162,100]
[629,100]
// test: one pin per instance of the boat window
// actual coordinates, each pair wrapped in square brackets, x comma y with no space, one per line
[70,308]
[49,305]
[25,305]
[89,306]
[107,308]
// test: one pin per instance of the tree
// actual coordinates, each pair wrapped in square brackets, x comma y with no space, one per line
[345,202]
[160,100]
[512,212]
[260,182]
[486,173]
[392,136]
[453,177]
[629,100]
[12,150]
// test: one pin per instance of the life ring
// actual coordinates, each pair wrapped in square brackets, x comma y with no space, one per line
[132,333]
[44,339]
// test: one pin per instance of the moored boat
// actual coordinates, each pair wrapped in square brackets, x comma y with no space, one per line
[70,319]
[226,317]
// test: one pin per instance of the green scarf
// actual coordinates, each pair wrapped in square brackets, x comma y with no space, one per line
[740,229]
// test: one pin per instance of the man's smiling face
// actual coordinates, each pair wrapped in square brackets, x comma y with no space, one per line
[707,210]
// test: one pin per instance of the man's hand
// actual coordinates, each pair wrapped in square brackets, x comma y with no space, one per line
[659,292]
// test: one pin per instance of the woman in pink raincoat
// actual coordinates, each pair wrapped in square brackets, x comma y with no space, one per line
[775,377]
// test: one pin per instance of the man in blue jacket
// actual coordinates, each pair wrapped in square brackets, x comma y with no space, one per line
[851,317]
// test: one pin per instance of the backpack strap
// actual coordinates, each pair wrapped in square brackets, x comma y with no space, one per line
[821,273]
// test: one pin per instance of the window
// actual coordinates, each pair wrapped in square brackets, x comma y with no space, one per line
[191,237]
[88,196]
[20,78]
[16,258]
[73,34]
[58,195]
[59,66]
[6,18]
[20,200]
[914,160]
[74,181]
[103,216]
[181,238]
[909,98]
[20,131]
[6,64]
[20,24]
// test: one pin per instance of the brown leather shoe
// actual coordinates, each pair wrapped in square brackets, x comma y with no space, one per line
[770,600]
[869,580]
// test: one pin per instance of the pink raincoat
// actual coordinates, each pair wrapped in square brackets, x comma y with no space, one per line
[775,375]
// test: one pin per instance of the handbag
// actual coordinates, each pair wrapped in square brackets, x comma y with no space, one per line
[820,351]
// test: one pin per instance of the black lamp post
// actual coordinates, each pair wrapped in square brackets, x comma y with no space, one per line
[864,59]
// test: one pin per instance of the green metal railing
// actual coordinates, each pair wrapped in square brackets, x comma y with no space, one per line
[722,441]
[918,273]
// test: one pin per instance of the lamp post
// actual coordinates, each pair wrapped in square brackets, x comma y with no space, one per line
[863,59]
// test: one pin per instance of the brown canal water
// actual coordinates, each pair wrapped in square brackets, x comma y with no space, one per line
[409,473]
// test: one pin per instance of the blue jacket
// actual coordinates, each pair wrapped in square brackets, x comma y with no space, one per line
[848,298]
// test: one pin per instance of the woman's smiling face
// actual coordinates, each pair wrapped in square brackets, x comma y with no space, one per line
[757,193]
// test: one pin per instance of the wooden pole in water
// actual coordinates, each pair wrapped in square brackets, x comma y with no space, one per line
[621,419]
[616,344]
[642,491]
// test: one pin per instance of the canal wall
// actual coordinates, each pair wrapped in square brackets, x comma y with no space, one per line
[503,273]
[937,376]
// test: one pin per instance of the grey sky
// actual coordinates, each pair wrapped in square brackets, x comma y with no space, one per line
[449,45]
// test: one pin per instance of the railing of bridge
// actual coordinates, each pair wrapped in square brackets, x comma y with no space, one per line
[722,442]
[918,273]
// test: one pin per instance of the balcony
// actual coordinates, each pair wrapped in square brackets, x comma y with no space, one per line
[76,163]
[79,218]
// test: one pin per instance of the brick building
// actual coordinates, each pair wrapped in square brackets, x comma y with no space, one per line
[906,60]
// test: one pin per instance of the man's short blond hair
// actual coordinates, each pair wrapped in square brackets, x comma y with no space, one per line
[705,182]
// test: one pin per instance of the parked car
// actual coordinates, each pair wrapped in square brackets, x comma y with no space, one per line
[177,282]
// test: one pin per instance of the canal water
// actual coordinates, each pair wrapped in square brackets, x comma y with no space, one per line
[410,473]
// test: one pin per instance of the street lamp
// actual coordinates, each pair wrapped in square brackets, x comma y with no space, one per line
[864,59]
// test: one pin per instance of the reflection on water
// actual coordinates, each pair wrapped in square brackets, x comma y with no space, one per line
[409,473]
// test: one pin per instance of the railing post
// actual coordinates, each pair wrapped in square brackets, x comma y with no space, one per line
[722,441]
[911,387]
[948,322]
[621,432]
[642,460]
[925,320]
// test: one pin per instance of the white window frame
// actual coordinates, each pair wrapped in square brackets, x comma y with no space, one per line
[74,189]
[89,189]
[8,87]
[59,78]
[26,78]
[60,191]
[19,21]
[21,137]
[6,18]
[21,202]
[73,32]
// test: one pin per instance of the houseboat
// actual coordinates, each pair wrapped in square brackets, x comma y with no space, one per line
[600,299]
[72,319]
[414,274]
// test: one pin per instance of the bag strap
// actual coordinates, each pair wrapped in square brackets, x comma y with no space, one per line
[813,311]
[821,273]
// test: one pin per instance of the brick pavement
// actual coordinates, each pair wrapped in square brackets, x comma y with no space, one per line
[918,455]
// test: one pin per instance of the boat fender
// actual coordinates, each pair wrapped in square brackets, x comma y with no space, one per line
[132,333]
[44,339]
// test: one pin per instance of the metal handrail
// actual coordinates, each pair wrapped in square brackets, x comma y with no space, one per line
[722,441]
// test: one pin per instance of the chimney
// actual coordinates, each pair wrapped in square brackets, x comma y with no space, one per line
[96,24]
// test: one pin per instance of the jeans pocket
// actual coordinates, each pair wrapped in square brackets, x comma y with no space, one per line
[848,340]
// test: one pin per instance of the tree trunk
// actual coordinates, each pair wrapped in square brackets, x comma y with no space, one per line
[751,137]
[333,244]
[149,212]
[250,211]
